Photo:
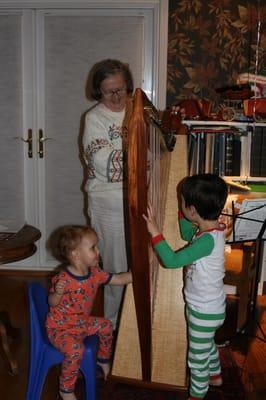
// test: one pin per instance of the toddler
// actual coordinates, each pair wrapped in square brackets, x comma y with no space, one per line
[71,299]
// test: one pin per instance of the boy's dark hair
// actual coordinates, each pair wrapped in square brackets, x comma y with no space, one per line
[67,238]
[103,70]
[207,193]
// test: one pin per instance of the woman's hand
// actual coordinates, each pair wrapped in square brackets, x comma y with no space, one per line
[175,110]
[151,221]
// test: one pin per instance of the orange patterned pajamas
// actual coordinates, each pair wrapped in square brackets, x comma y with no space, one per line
[70,322]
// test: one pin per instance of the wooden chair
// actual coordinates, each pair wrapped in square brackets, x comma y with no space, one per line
[6,331]
[14,247]
[240,272]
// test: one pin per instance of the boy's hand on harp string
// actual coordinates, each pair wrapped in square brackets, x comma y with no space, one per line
[150,219]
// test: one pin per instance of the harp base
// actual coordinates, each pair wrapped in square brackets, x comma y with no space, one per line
[114,380]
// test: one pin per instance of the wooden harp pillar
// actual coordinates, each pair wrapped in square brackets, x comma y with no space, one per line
[151,343]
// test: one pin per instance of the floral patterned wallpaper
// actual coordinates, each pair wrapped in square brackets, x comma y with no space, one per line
[211,42]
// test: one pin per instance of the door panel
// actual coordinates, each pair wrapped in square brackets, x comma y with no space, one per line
[11,131]
[71,45]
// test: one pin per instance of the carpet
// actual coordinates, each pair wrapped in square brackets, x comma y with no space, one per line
[232,388]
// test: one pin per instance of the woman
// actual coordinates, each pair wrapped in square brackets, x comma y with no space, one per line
[112,85]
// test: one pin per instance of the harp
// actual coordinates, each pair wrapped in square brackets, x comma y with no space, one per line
[151,343]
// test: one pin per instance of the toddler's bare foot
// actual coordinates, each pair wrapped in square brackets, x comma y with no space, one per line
[67,396]
[106,369]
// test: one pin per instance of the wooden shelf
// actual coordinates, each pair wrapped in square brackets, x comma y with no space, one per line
[237,124]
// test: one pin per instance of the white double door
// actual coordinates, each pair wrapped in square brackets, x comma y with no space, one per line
[46,56]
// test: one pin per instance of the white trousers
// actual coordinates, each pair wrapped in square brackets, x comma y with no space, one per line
[107,218]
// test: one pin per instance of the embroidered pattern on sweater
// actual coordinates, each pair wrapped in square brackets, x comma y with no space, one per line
[115,132]
[114,167]
[93,148]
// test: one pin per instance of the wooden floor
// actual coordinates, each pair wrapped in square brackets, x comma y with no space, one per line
[249,349]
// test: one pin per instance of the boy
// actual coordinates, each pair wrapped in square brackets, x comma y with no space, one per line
[202,199]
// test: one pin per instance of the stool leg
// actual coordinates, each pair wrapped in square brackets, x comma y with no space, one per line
[243,305]
[40,382]
[90,385]
[88,369]
[12,363]
[37,378]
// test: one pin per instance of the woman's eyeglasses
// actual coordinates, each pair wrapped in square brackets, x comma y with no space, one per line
[117,92]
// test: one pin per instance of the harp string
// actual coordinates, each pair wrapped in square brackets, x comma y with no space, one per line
[157,175]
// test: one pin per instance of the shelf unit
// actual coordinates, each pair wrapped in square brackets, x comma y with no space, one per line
[245,131]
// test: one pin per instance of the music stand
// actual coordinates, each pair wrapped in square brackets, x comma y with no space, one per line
[250,228]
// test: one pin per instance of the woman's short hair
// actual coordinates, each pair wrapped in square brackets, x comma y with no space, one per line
[206,192]
[103,70]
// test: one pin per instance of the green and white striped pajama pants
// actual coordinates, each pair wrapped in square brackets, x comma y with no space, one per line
[203,356]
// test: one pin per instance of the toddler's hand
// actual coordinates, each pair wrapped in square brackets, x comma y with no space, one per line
[151,221]
[59,287]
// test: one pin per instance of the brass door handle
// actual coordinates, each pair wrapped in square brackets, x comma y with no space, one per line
[29,141]
[41,141]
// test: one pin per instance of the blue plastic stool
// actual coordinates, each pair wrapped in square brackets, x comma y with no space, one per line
[43,355]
